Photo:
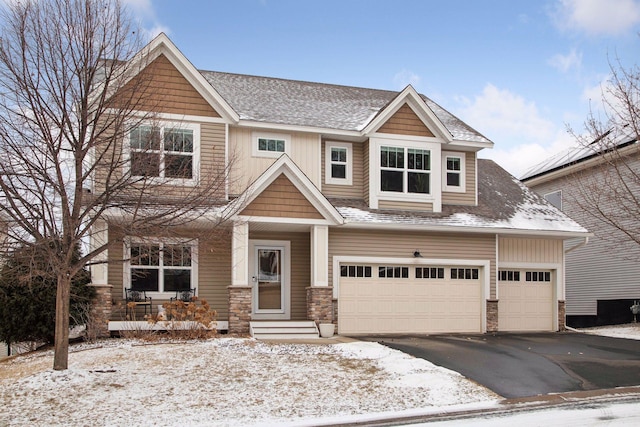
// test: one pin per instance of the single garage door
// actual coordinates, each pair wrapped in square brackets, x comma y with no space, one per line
[525,300]
[380,299]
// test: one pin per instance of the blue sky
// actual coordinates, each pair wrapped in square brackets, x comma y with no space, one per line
[518,71]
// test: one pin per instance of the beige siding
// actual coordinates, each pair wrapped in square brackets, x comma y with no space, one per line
[406,206]
[405,122]
[365,174]
[300,268]
[214,271]
[353,191]
[469,196]
[402,245]
[548,251]
[281,199]
[305,148]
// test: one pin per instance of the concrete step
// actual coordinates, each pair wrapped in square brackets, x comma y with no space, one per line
[284,329]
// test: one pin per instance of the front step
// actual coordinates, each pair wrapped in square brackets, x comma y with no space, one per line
[284,330]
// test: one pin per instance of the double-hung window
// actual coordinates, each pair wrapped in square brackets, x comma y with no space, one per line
[162,266]
[453,169]
[405,170]
[165,151]
[338,162]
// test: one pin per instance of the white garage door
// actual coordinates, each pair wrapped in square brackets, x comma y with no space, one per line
[379,299]
[525,300]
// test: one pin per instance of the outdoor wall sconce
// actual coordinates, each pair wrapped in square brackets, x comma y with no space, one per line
[416,254]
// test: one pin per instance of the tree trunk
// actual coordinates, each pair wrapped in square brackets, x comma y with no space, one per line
[61,339]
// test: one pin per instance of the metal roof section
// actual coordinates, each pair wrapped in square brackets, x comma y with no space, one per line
[505,205]
[320,105]
[606,142]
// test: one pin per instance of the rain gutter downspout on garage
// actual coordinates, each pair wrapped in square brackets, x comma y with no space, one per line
[578,246]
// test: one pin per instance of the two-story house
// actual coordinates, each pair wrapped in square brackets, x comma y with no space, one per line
[369,208]
[601,277]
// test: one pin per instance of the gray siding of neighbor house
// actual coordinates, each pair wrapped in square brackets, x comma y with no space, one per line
[596,271]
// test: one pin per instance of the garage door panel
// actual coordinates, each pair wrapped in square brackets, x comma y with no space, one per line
[525,305]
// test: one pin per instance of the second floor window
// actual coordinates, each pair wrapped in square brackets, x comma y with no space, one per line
[162,151]
[338,160]
[405,170]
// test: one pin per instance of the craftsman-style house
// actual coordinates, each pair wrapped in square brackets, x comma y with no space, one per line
[366,208]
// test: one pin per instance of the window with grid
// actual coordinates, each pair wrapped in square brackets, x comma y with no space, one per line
[405,170]
[538,276]
[429,273]
[464,273]
[165,152]
[509,275]
[355,271]
[161,267]
[393,272]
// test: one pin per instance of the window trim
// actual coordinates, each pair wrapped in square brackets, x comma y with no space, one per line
[256,136]
[161,293]
[162,125]
[328,179]
[463,178]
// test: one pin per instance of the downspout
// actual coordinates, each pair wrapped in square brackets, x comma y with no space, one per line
[578,246]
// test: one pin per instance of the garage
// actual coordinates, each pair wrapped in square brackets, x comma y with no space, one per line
[526,300]
[393,299]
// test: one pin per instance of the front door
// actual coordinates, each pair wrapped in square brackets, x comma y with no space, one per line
[270,280]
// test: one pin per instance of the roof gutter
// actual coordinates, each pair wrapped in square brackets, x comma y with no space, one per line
[578,246]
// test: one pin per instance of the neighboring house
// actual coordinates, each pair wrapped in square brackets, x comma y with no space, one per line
[368,208]
[602,280]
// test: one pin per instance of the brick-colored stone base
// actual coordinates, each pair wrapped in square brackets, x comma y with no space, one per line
[492,315]
[98,322]
[239,309]
[561,316]
[320,304]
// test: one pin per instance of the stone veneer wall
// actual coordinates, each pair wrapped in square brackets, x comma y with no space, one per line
[100,314]
[561,316]
[492,315]
[239,309]
[320,304]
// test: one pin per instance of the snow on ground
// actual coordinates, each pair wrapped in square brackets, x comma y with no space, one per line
[224,381]
[630,331]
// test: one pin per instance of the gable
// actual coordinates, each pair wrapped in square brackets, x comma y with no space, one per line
[160,87]
[282,199]
[405,122]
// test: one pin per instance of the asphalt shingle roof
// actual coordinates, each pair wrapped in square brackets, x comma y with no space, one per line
[293,102]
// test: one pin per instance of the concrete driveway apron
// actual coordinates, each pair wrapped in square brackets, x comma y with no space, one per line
[523,365]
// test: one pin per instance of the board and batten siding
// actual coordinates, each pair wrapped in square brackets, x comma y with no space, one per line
[304,151]
[300,267]
[395,244]
[468,198]
[540,251]
[353,191]
[595,271]
[214,271]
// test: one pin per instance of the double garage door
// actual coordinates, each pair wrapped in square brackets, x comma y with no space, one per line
[378,299]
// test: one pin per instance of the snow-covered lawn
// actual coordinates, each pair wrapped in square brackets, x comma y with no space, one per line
[224,381]
[630,331]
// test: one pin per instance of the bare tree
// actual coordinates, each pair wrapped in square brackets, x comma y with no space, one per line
[75,84]
[606,190]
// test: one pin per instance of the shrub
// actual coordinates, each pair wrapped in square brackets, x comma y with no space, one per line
[28,296]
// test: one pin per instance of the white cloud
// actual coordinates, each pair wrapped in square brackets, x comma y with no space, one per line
[522,136]
[597,17]
[564,63]
[143,10]
[406,77]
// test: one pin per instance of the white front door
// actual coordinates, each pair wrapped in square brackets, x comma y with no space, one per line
[270,278]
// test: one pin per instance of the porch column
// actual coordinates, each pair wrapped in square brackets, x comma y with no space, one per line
[319,294]
[240,289]
[100,313]
[99,237]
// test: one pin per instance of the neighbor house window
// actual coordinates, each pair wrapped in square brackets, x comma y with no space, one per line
[161,267]
[166,151]
[338,163]
[453,170]
[270,145]
[405,170]
[555,198]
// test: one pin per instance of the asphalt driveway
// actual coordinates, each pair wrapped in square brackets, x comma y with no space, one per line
[523,365]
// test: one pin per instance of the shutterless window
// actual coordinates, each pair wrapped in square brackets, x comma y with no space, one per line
[464,273]
[161,152]
[161,267]
[393,272]
[429,273]
[271,145]
[454,169]
[338,162]
[405,170]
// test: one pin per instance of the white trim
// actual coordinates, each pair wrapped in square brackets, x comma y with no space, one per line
[328,163]
[319,256]
[463,175]
[285,312]
[278,220]
[448,262]
[240,254]
[256,135]
[150,115]
[226,160]
[279,127]
[128,241]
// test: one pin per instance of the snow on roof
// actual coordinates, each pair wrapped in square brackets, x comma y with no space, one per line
[580,153]
[503,203]
[293,102]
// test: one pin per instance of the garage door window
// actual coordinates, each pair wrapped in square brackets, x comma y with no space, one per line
[355,271]
[538,276]
[509,276]
[393,272]
[464,273]
[429,273]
